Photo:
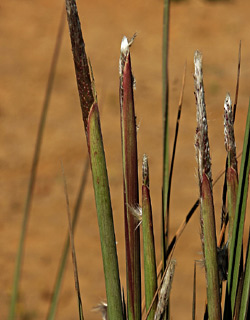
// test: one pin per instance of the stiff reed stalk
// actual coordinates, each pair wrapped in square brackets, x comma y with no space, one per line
[235,253]
[130,181]
[72,245]
[150,274]
[207,219]
[90,113]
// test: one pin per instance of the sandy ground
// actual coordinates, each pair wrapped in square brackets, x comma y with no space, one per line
[28,32]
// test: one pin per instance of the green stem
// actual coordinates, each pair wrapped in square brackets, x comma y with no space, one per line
[36,156]
[150,273]
[104,214]
[210,250]
[92,126]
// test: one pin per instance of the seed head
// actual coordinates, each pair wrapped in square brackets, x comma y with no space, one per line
[229,131]
[201,138]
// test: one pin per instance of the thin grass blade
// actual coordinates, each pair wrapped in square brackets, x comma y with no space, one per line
[236,244]
[35,161]
[246,286]
[165,102]
[55,296]
[194,293]
[90,113]
[73,253]
[237,83]
[150,274]
[174,149]
[130,182]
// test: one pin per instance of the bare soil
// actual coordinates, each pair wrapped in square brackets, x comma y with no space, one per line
[28,33]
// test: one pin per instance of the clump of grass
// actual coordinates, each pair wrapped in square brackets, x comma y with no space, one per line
[158,280]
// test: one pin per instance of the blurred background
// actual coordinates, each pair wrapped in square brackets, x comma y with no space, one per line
[28,34]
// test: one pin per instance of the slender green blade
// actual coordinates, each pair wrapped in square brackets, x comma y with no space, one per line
[55,296]
[246,286]
[150,274]
[72,245]
[105,216]
[236,244]
[174,147]
[210,250]
[32,179]
[91,121]
[165,93]
[194,293]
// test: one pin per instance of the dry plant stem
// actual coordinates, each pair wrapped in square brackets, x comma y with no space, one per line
[150,275]
[161,280]
[174,150]
[130,182]
[237,83]
[165,102]
[208,231]
[35,162]
[55,295]
[73,253]
[165,290]
[91,120]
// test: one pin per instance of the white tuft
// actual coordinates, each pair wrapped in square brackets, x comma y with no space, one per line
[136,211]
[124,45]
[102,307]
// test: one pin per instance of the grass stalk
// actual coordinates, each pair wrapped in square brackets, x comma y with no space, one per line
[232,174]
[72,245]
[165,102]
[194,293]
[130,182]
[208,230]
[55,296]
[246,286]
[235,254]
[174,149]
[224,194]
[237,83]
[150,274]
[90,113]
[35,161]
